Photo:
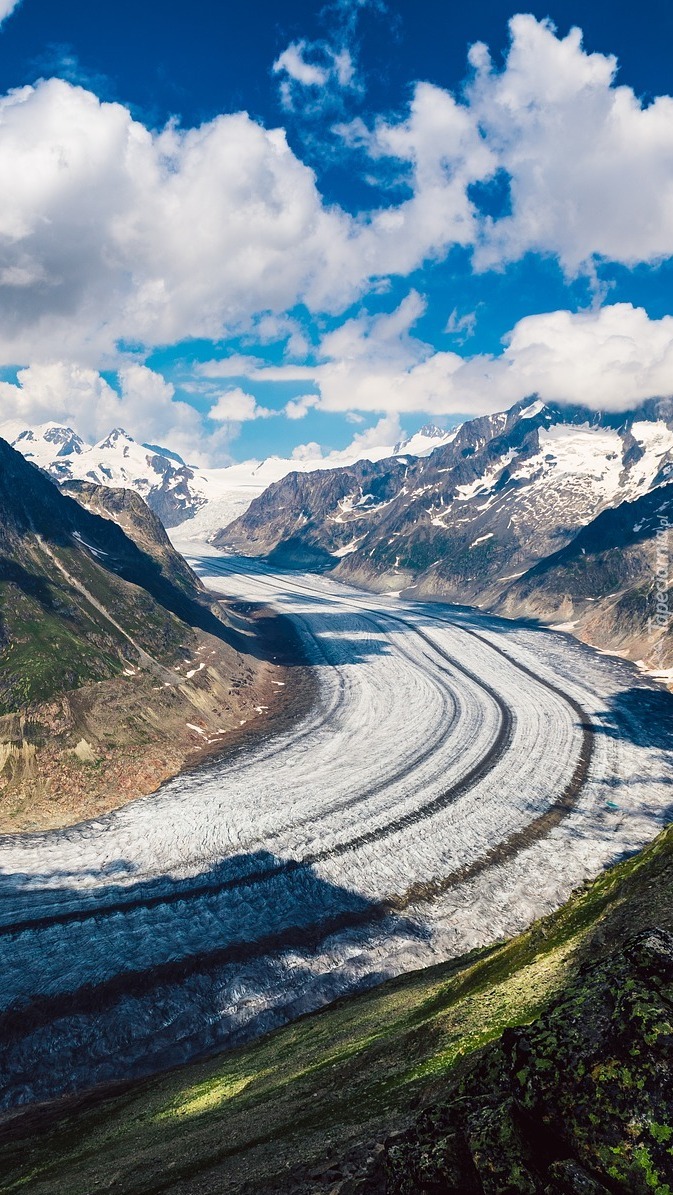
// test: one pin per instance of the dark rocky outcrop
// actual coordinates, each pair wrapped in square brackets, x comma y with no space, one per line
[140,523]
[578,1103]
[608,582]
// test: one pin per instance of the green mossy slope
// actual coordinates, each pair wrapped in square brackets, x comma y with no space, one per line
[273,1114]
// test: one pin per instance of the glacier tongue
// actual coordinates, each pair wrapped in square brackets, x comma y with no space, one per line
[444,791]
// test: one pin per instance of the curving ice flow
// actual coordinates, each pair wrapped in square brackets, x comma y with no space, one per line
[458,776]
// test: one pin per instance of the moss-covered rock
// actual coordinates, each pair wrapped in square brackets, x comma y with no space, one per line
[578,1102]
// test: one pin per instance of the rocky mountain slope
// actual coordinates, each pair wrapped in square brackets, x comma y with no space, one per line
[114,669]
[541,1066]
[507,492]
[611,584]
[167,484]
[140,524]
[204,499]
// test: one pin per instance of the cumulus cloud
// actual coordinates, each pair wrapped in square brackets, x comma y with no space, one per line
[235,406]
[438,149]
[590,167]
[586,168]
[110,232]
[387,431]
[606,359]
[384,434]
[298,408]
[144,405]
[307,452]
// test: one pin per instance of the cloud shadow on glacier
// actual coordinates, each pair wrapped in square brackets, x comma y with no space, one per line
[642,716]
[267,909]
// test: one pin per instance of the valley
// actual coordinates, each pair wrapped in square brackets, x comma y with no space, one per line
[492,767]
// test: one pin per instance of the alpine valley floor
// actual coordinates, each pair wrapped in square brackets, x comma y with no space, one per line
[458,777]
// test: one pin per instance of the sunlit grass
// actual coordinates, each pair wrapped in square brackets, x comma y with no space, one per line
[361,1062]
[209,1096]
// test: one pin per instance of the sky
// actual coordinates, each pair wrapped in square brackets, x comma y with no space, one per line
[301,228]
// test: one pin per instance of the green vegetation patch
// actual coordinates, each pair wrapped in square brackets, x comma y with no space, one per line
[357,1067]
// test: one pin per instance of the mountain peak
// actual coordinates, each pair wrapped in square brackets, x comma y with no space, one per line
[423,441]
[117,434]
[432,431]
[65,439]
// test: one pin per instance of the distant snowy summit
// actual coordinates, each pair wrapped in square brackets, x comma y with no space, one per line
[495,497]
[204,499]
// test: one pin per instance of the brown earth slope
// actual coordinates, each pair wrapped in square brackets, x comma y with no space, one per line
[116,668]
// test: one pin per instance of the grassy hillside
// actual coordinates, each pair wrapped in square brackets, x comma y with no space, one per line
[116,668]
[294,1111]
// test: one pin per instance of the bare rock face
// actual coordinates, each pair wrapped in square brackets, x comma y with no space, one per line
[140,523]
[545,510]
[578,1103]
[505,492]
[611,583]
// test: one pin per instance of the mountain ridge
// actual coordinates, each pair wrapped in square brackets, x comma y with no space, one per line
[201,499]
[115,667]
[508,491]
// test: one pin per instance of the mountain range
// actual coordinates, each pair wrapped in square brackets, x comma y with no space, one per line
[509,511]
[547,510]
[178,492]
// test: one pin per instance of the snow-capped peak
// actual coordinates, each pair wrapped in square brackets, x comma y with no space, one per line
[45,443]
[113,439]
[64,439]
[533,409]
[424,441]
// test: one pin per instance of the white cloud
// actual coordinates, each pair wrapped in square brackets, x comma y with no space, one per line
[292,62]
[145,406]
[591,168]
[387,431]
[7,8]
[307,452]
[235,406]
[384,434]
[608,359]
[111,232]
[236,365]
[461,326]
[588,167]
[63,392]
[438,148]
[298,408]
[313,75]
[108,231]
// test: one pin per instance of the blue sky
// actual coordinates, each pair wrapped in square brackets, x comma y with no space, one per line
[285,228]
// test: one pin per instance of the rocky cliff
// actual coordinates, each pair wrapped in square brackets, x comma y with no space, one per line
[611,584]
